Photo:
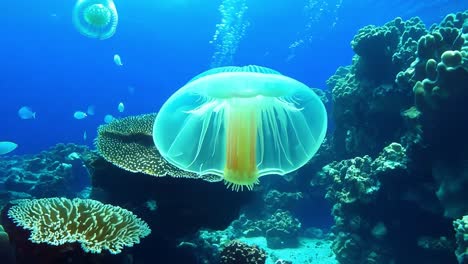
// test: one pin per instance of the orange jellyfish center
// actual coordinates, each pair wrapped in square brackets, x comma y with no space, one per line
[97,15]
[241,142]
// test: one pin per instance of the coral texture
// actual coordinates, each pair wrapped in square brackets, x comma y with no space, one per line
[128,144]
[367,101]
[57,171]
[94,225]
[461,227]
[237,252]
[354,188]
[438,77]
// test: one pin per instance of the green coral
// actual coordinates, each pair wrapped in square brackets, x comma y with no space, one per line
[449,35]
[383,49]
[358,179]
[438,78]
[354,187]
[367,101]
[461,229]
[440,94]
[393,157]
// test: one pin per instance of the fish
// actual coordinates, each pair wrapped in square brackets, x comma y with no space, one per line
[7,147]
[117,60]
[79,115]
[90,110]
[108,119]
[121,107]
[85,136]
[26,112]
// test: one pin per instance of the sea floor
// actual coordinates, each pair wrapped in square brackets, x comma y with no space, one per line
[310,251]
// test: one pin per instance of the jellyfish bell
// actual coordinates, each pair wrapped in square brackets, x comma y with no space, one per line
[241,123]
[95,18]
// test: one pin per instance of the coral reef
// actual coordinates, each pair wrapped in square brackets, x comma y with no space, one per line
[376,203]
[438,77]
[267,219]
[367,101]
[184,205]
[208,245]
[461,228]
[128,144]
[6,250]
[237,252]
[281,229]
[58,171]
[96,226]
[406,85]
[275,200]
[391,203]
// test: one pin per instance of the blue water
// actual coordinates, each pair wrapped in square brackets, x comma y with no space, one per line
[48,65]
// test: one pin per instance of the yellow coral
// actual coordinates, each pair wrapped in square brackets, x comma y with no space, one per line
[95,225]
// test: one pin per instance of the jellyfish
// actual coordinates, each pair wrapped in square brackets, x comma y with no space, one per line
[241,123]
[95,18]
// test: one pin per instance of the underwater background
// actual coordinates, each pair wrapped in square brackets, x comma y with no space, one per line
[388,185]
[51,68]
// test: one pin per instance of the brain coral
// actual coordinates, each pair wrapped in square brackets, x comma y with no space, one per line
[96,226]
[237,252]
[128,144]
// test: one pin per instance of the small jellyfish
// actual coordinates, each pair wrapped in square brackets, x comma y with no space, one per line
[241,123]
[95,18]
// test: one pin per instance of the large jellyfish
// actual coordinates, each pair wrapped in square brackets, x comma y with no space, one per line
[95,18]
[240,123]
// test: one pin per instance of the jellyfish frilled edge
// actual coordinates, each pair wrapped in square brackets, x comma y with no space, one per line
[241,123]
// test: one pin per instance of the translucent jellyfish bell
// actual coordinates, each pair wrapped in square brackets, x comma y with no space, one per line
[241,123]
[95,18]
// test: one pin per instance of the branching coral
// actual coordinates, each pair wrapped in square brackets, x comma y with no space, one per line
[96,226]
